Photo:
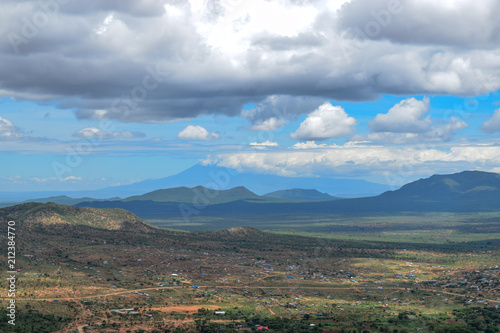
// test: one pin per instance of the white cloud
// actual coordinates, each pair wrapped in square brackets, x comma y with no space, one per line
[365,161]
[326,122]
[12,179]
[105,25]
[244,53]
[263,145]
[96,133]
[270,124]
[405,117]
[72,179]
[197,133]
[69,179]
[274,111]
[441,132]
[405,122]
[8,130]
[309,145]
[446,131]
[493,124]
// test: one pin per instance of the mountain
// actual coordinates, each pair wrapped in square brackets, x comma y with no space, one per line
[220,178]
[469,191]
[191,195]
[299,194]
[466,185]
[32,215]
[464,191]
[224,178]
[59,199]
[65,200]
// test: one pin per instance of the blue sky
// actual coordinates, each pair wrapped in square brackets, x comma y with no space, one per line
[104,95]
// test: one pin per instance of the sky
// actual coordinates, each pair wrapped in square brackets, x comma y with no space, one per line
[103,93]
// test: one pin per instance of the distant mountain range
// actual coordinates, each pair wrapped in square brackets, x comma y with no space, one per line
[194,195]
[59,199]
[224,178]
[209,196]
[220,178]
[191,195]
[468,191]
[65,200]
[299,194]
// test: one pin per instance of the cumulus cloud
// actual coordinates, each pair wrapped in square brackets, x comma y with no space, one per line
[438,133]
[8,131]
[270,124]
[362,160]
[326,122]
[493,124]
[406,122]
[157,61]
[309,145]
[274,111]
[405,117]
[196,132]
[445,131]
[96,133]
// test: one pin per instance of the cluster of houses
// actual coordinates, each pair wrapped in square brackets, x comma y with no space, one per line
[125,311]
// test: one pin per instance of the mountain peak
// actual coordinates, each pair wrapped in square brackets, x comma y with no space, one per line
[462,185]
[300,194]
[213,176]
[190,195]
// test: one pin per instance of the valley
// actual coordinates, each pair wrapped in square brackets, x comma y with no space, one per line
[249,263]
[129,277]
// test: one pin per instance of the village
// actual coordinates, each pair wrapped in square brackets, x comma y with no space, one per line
[176,287]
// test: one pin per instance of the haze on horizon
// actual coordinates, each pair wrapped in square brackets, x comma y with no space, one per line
[96,94]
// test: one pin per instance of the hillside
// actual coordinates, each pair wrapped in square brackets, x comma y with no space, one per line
[299,194]
[247,233]
[195,194]
[463,185]
[470,191]
[464,191]
[33,215]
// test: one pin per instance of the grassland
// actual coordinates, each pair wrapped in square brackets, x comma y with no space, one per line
[433,228]
[73,277]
